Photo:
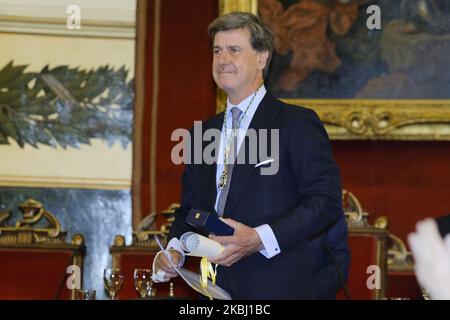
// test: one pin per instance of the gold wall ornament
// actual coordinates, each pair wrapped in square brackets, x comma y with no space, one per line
[227,6]
[375,119]
[366,119]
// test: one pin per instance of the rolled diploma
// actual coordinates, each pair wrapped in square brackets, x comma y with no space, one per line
[199,246]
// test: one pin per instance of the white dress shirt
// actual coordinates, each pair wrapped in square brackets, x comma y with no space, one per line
[270,243]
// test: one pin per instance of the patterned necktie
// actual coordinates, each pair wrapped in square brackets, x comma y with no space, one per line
[236,113]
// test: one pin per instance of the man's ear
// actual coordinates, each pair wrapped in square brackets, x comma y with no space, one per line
[262,59]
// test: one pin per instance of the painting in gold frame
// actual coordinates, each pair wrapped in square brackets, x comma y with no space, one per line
[376,111]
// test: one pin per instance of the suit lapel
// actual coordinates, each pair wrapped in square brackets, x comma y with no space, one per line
[262,119]
[209,171]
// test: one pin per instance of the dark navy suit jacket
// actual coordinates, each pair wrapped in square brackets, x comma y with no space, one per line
[301,203]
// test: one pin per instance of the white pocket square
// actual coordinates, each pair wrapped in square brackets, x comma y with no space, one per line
[263,162]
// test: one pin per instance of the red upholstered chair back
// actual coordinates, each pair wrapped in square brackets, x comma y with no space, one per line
[34,260]
[28,273]
[367,249]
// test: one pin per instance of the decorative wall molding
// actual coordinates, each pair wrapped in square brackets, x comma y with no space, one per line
[57,27]
[375,119]
[64,182]
[102,19]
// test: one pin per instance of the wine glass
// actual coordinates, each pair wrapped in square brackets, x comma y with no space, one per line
[143,282]
[84,294]
[113,280]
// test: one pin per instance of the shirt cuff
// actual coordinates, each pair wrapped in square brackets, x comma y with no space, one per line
[269,241]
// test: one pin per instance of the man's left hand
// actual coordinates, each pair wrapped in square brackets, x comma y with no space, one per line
[243,243]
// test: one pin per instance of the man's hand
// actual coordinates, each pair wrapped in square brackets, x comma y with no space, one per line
[161,263]
[243,243]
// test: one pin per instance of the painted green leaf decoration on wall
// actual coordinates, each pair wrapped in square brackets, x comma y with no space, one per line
[65,106]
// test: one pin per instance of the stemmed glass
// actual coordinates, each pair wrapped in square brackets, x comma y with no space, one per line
[143,282]
[84,294]
[113,281]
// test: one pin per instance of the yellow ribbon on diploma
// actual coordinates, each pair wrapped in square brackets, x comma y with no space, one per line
[207,271]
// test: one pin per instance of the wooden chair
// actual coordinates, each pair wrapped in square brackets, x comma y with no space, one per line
[401,276]
[367,245]
[36,261]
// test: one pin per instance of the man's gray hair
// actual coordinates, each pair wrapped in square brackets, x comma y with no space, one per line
[261,37]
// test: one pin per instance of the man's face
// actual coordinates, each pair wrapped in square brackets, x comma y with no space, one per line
[237,67]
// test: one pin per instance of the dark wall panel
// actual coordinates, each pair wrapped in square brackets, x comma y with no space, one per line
[403,180]
[185,90]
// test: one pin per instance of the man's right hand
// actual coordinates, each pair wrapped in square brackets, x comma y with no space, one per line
[161,263]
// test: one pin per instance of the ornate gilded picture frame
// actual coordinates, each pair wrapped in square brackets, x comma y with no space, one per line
[391,83]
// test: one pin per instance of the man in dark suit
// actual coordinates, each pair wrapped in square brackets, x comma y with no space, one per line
[290,239]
